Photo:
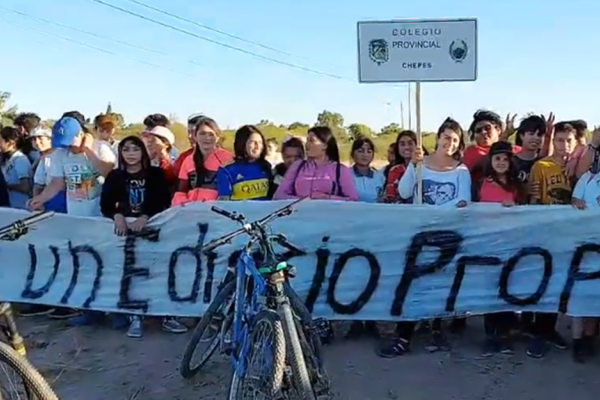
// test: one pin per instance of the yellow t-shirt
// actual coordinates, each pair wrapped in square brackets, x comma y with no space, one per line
[548,183]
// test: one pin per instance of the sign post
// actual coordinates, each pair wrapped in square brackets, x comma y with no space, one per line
[431,50]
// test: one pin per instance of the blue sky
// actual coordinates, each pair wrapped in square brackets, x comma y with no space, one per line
[533,56]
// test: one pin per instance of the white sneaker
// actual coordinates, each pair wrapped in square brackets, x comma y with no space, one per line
[135,327]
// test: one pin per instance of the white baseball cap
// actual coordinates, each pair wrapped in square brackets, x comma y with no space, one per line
[40,132]
[163,133]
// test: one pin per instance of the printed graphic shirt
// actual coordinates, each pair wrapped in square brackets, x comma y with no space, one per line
[588,189]
[134,195]
[244,181]
[201,188]
[369,186]
[445,188]
[524,168]
[17,167]
[83,181]
[548,183]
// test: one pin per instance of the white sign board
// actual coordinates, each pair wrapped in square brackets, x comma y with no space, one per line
[417,50]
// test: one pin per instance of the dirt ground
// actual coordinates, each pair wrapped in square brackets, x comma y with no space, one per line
[99,364]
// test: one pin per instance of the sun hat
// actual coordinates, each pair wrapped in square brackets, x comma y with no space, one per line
[163,133]
[41,132]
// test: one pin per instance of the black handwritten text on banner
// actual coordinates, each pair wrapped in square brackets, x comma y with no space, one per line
[362,261]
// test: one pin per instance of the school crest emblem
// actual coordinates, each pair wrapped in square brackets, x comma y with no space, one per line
[379,51]
[458,50]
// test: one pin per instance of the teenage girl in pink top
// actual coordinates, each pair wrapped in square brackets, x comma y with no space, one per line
[321,176]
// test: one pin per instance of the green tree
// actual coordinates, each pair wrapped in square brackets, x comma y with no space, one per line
[356,130]
[7,114]
[392,129]
[330,119]
[298,126]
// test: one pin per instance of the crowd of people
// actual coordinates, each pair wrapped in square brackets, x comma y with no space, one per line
[87,172]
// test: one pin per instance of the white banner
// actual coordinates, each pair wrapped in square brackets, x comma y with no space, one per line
[361,261]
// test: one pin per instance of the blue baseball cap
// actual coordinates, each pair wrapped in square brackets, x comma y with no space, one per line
[65,131]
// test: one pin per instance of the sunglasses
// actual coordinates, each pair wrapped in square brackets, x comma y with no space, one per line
[481,129]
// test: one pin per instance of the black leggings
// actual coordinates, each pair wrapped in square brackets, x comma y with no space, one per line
[498,324]
[405,329]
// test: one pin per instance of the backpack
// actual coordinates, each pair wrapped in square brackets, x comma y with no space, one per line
[337,188]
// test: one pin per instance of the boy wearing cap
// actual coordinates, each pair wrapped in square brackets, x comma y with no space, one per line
[79,165]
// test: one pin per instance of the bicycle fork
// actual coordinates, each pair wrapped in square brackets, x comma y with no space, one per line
[10,330]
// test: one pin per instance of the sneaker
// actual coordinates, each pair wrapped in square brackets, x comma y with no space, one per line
[135,327]
[490,347]
[537,348]
[63,313]
[438,342]
[397,348]
[556,340]
[356,330]
[506,346]
[35,310]
[172,325]
[86,319]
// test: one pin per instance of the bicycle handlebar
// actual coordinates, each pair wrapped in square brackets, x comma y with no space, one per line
[251,227]
[21,226]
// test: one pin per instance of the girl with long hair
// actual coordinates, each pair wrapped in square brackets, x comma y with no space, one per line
[403,149]
[198,172]
[131,195]
[249,177]
[446,182]
[321,176]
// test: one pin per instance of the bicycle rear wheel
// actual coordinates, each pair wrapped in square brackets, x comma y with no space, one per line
[216,312]
[265,341]
[34,382]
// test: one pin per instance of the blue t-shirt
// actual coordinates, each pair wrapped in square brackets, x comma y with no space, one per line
[17,167]
[243,181]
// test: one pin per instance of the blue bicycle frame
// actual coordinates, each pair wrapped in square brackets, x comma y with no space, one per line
[245,310]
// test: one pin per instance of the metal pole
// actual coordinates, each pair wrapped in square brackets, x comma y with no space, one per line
[409,108]
[419,142]
[402,115]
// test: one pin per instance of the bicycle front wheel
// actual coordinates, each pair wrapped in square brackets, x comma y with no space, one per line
[301,385]
[260,368]
[34,382]
[209,324]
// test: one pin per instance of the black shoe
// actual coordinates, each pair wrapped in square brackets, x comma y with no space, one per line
[357,329]
[579,355]
[506,346]
[490,347]
[397,348]
[34,311]
[556,340]
[63,313]
[537,348]
[438,342]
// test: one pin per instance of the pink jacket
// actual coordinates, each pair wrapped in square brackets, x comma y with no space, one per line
[317,181]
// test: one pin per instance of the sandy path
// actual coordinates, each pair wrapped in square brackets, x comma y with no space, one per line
[100,364]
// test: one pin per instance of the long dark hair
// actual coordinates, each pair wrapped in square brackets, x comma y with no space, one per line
[242,135]
[513,184]
[139,143]
[325,135]
[10,134]
[398,158]
[199,160]
[452,125]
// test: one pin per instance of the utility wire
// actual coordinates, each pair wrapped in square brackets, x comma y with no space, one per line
[218,43]
[220,32]
[52,34]
[130,45]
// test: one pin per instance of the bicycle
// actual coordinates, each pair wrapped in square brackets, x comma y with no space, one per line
[259,295]
[13,354]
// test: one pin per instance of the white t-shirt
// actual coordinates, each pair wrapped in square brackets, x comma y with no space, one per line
[83,182]
[440,188]
[41,175]
[588,189]
[17,167]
